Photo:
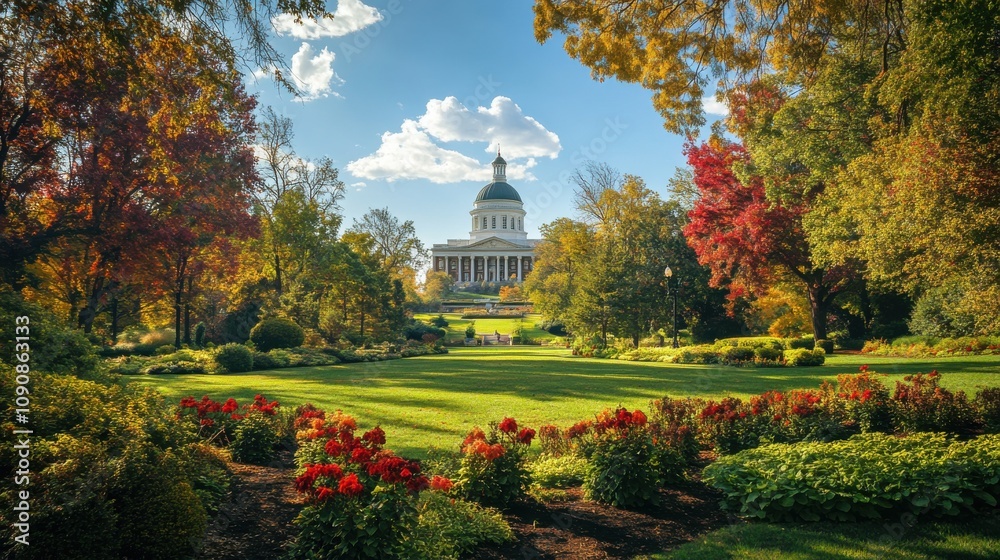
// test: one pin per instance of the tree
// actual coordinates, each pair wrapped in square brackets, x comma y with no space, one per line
[560,258]
[748,241]
[437,286]
[674,47]
[298,201]
[394,244]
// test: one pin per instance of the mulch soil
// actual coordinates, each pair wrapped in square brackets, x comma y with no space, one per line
[256,523]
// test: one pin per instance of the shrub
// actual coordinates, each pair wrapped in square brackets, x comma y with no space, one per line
[988,408]
[171,368]
[418,329]
[865,477]
[731,425]
[558,472]
[736,354]
[768,354]
[158,338]
[254,439]
[361,497]
[674,423]
[921,405]
[493,469]
[470,331]
[866,401]
[235,358]
[166,349]
[449,528]
[627,468]
[277,332]
[439,321]
[825,345]
[802,357]
[802,342]
[752,342]
[555,328]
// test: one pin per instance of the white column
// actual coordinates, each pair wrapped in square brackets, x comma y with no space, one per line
[519,268]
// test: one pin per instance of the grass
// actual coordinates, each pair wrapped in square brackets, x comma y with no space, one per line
[432,401]
[904,539]
[469,296]
[456,326]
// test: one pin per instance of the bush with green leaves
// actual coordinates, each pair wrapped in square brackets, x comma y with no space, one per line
[173,368]
[235,358]
[825,345]
[439,321]
[494,471]
[277,332]
[868,476]
[627,468]
[418,329]
[806,342]
[987,405]
[113,473]
[450,528]
[920,404]
[802,357]
[565,471]
[470,330]
[254,439]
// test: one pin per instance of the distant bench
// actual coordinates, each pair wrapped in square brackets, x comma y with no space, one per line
[496,339]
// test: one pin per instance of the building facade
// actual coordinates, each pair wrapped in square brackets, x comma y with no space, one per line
[498,248]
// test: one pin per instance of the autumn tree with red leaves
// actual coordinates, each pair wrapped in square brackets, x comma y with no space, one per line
[745,239]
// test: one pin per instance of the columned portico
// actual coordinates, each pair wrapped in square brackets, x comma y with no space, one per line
[498,248]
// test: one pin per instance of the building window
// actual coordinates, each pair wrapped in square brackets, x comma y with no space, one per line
[505,222]
[494,222]
[484,222]
[519,224]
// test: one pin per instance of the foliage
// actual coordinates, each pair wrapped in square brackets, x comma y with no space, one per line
[627,467]
[919,404]
[867,403]
[565,471]
[803,357]
[470,330]
[511,293]
[493,470]
[235,358]
[439,321]
[867,476]
[449,528]
[674,423]
[987,405]
[277,332]
[418,329]
[926,346]
[361,496]
[254,439]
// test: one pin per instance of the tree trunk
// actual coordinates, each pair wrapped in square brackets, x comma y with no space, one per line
[187,324]
[819,307]
[635,340]
[177,314]
[114,320]
[277,272]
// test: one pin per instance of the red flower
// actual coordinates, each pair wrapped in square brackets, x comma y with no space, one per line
[230,405]
[324,493]
[639,418]
[863,369]
[333,448]
[405,473]
[526,435]
[350,486]
[933,373]
[207,421]
[441,483]
[496,450]
[508,426]
[375,436]
[360,455]
[475,435]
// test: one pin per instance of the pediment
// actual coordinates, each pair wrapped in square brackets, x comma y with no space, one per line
[495,243]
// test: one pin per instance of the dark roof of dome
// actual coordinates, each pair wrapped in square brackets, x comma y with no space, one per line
[498,191]
[500,160]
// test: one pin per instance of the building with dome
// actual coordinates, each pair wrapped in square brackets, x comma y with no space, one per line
[498,248]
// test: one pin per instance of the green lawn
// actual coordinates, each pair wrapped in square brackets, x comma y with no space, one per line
[456,326]
[923,539]
[432,401]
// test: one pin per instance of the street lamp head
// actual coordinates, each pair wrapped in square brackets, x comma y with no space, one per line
[667,272]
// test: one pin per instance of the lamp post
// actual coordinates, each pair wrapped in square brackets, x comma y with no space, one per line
[672,291]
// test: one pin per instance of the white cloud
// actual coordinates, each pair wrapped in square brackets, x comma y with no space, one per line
[712,106]
[312,73]
[503,121]
[414,152]
[350,16]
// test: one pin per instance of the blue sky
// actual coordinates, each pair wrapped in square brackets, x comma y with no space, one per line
[408,97]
